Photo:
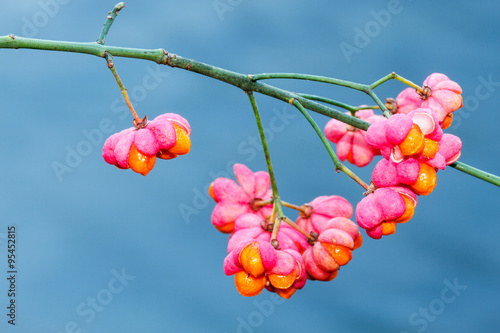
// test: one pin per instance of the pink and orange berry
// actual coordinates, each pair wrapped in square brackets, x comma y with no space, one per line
[137,148]
[351,142]
[234,199]
[438,93]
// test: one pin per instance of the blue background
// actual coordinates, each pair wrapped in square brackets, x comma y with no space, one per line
[76,230]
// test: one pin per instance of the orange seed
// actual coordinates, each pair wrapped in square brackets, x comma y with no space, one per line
[413,143]
[286,293]
[183,144]
[447,121]
[333,275]
[211,191]
[165,154]
[388,228]
[408,214]
[140,162]
[358,242]
[251,261]
[282,281]
[426,180]
[341,254]
[248,285]
[431,147]
[226,228]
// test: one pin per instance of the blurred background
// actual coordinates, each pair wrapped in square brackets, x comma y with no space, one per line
[107,250]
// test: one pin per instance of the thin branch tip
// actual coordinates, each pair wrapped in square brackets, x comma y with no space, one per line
[109,21]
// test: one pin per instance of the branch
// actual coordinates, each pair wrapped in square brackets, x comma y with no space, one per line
[109,21]
[93,48]
[368,89]
[352,109]
[160,56]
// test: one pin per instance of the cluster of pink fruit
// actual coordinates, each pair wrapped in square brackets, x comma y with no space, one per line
[244,210]
[137,148]
[413,147]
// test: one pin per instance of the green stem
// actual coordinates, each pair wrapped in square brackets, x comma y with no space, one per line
[487,177]
[273,217]
[111,66]
[262,203]
[349,84]
[318,78]
[330,101]
[276,225]
[264,144]
[109,21]
[274,187]
[335,159]
[408,82]
[368,107]
[93,48]
[381,105]
[393,75]
[292,206]
[382,80]
[299,229]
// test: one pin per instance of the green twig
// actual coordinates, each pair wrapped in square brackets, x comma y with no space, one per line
[382,106]
[349,84]
[395,76]
[318,78]
[109,21]
[262,203]
[111,66]
[294,225]
[329,101]
[292,206]
[487,177]
[367,107]
[335,159]
[92,48]
[272,219]
[274,187]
